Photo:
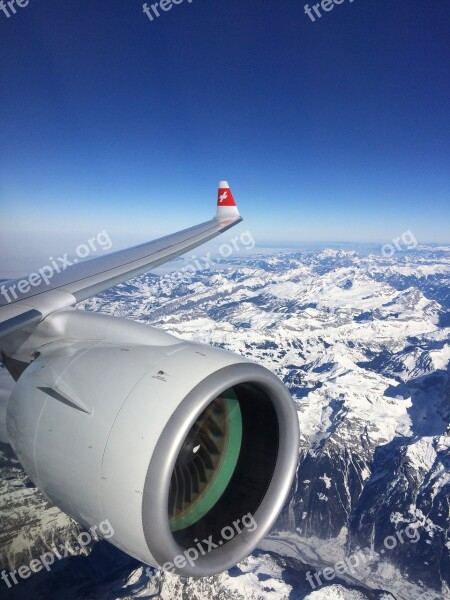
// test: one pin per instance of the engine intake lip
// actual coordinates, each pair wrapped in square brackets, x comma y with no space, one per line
[161,541]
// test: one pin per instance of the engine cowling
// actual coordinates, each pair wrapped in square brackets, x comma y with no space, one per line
[173,442]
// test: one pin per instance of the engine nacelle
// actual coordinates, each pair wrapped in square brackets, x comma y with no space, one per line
[173,442]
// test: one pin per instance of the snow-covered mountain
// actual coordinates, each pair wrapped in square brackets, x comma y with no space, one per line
[363,344]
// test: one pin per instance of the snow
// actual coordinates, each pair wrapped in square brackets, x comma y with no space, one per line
[326,480]
[354,338]
[335,592]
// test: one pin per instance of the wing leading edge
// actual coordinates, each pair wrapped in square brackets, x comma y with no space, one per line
[83,280]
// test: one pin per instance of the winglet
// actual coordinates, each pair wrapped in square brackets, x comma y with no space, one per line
[226,206]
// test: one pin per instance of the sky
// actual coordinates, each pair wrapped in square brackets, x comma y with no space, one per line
[329,130]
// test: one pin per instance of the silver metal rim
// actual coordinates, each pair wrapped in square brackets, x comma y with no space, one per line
[158,535]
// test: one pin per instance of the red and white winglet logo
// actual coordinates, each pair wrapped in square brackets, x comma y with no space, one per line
[225,197]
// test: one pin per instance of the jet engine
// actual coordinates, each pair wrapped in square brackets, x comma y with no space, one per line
[179,445]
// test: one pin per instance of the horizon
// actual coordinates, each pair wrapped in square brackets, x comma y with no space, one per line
[26,265]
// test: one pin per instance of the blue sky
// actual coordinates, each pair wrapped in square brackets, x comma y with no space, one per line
[336,130]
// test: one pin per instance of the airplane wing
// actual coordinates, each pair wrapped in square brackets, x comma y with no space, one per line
[19,309]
